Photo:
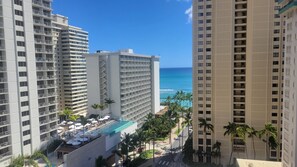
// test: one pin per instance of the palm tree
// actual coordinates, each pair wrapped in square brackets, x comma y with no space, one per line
[231,129]
[96,107]
[251,134]
[270,133]
[216,148]
[73,117]
[101,162]
[242,130]
[168,101]
[189,98]
[188,119]
[206,126]
[127,145]
[66,113]
[83,121]
[108,101]
[29,160]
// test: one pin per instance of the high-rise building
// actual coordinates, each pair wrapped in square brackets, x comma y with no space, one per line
[289,146]
[28,105]
[237,73]
[130,80]
[70,44]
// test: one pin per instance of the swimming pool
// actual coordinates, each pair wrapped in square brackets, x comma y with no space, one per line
[111,129]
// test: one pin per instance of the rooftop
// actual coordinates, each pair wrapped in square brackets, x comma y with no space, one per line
[256,163]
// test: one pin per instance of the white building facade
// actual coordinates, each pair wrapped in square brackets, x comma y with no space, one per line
[131,80]
[28,106]
[289,147]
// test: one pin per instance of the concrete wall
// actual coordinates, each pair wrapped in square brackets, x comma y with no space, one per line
[86,155]
[114,85]
[93,82]
[156,84]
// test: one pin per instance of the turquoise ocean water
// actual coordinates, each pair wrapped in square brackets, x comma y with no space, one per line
[174,79]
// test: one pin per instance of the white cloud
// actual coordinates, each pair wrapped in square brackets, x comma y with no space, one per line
[189,13]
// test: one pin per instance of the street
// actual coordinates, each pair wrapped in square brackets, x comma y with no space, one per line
[173,158]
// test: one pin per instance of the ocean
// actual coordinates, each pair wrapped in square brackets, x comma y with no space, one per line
[173,80]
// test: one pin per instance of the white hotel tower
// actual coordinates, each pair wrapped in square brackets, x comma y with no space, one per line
[28,102]
[289,145]
[130,79]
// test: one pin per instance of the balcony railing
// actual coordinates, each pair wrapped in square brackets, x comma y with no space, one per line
[4,133]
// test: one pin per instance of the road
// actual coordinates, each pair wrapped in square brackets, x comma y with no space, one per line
[169,158]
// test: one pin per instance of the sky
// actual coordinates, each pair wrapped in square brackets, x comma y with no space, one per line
[149,27]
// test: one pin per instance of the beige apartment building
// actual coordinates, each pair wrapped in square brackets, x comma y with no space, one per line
[289,10]
[237,73]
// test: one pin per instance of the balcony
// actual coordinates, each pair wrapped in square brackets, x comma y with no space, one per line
[239,72]
[4,122]
[239,58]
[37,2]
[239,65]
[239,86]
[238,113]
[5,133]
[239,120]
[3,112]
[43,130]
[3,101]
[3,144]
[239,106]
[239,79]
[43,121]
[241,100]
[239,93]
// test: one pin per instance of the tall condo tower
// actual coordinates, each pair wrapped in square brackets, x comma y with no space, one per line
[28,101]
[70,44]
[237,73]
[130,80]
[289,154]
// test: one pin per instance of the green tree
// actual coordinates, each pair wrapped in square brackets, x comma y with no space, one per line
[242,131]
[66,113]
[83,121]
[188,119]
[127,145]
[216,150]
[100,107]
[101,162]
[252,133]
[270,137]
[206,126]
[29,160]
[73,117]
[231,129]
[109,101]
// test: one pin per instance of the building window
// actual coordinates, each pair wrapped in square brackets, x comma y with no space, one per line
[19,23]
[22,74]
[18,12]
[25,123]
[26,142]
[24,94]
[20,43]
[22,54]
[20,33]
[23,84]
[26,132]
[18,2]
[22,64]
[25,113]
[24,103]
